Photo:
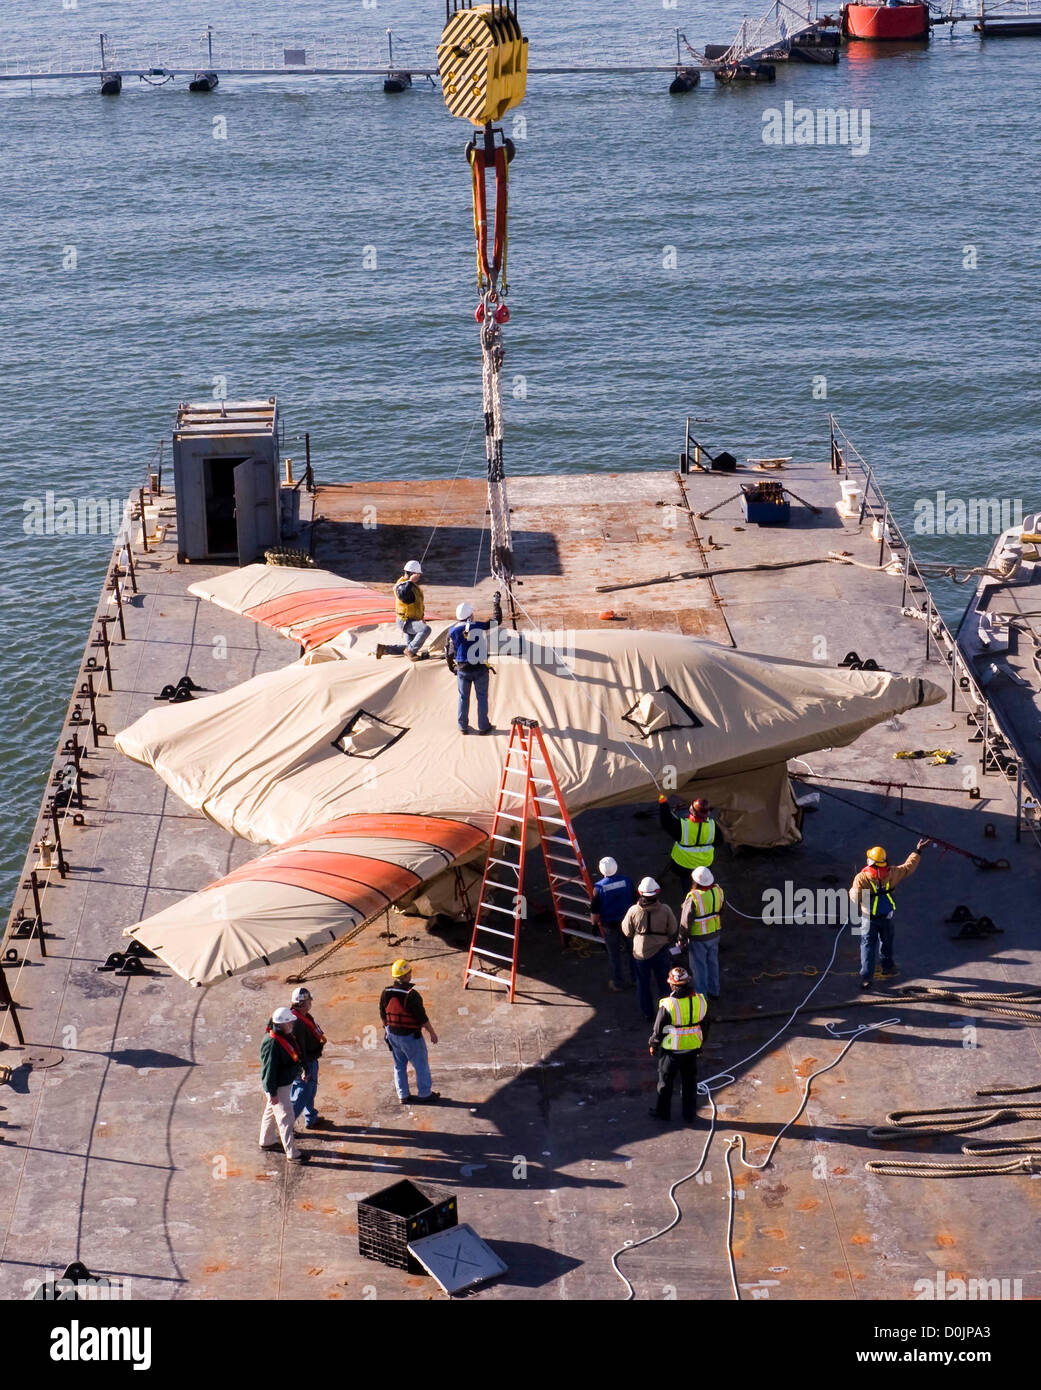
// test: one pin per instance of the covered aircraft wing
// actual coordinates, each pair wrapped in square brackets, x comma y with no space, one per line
[305,894]
[622,713]
[309,606]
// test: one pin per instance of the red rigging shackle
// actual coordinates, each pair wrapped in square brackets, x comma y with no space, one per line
[502,314]
[479,313]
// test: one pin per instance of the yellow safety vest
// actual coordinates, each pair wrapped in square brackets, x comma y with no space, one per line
[704,920]
[882,904]
[683,1033]
[695,848]
[409,610]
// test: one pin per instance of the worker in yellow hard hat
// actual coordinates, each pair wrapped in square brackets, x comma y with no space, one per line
[404,1022]
[871,893]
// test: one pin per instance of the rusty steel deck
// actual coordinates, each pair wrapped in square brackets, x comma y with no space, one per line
[128,1128]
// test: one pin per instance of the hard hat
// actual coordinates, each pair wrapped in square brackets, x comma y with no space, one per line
[648,887]
[413,567]
[699,807]
[607,866]
[465,610]
[876,855]
[400,969]
[679,976]
[703,877]
[300,994]
[283,1016]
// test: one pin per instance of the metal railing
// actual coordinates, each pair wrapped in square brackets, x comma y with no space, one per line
[63,806]
[939,640]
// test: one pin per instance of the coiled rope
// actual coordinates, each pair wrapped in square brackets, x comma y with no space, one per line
[963,1119]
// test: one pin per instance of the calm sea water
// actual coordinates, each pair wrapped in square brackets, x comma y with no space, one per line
[243,258]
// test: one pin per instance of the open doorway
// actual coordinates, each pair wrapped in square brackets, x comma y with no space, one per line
[219,484]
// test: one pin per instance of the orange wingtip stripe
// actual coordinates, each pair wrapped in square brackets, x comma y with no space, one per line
[313,635]
[277,612]
[454,836]
[388,878]
[362,897]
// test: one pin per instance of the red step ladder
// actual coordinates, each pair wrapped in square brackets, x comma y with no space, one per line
[529,792]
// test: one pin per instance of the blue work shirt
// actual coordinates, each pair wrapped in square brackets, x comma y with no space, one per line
[468,644]
[612,899]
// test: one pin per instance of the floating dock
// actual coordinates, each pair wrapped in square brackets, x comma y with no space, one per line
[128,1123]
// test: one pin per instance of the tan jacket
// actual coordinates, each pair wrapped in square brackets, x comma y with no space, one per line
[897,873]
[650,928]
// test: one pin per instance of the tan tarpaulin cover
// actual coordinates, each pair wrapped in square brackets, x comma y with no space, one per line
[263,760]
[309,606]
[303,896]
[354,742]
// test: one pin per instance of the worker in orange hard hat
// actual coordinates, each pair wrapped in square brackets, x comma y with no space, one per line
[871,893]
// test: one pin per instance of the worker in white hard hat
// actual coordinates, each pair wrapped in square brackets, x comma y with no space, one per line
[410,608]
[676,1038]
[280,1066]
[652,928]
[468,646]
[699,927]
[310,1043]
[871,893]
[613,896]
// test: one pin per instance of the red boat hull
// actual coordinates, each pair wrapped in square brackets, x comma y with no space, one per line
[886,22]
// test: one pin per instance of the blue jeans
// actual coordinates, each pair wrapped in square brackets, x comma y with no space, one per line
[417,632]
[619,953]
[478,682]
[302,1094]
[877,932]
[656,969]
[704,963]
[406,1048]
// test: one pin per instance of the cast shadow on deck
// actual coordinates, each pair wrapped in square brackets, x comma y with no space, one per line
[450,554]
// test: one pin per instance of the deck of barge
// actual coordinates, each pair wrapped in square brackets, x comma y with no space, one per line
[128,1131]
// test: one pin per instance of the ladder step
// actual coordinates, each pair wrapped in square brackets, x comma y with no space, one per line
[495,979]
[492,955]
[576,916]
[506,863]
[563,878]
[495,931]
[586,936]
[570,860]
[570,898]
[549,820]
[490,907]
[494,883]
[506,840]
[546,781]
[558,840]
[505,815]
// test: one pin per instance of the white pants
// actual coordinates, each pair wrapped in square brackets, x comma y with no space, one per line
[278,1122]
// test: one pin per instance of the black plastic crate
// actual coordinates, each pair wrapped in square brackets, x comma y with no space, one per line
[389,1220]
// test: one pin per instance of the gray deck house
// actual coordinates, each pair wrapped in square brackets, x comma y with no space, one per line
[226,480]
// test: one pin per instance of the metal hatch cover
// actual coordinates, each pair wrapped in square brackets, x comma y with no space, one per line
[457,1258]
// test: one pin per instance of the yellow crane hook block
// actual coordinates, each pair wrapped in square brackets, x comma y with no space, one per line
[482,60]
